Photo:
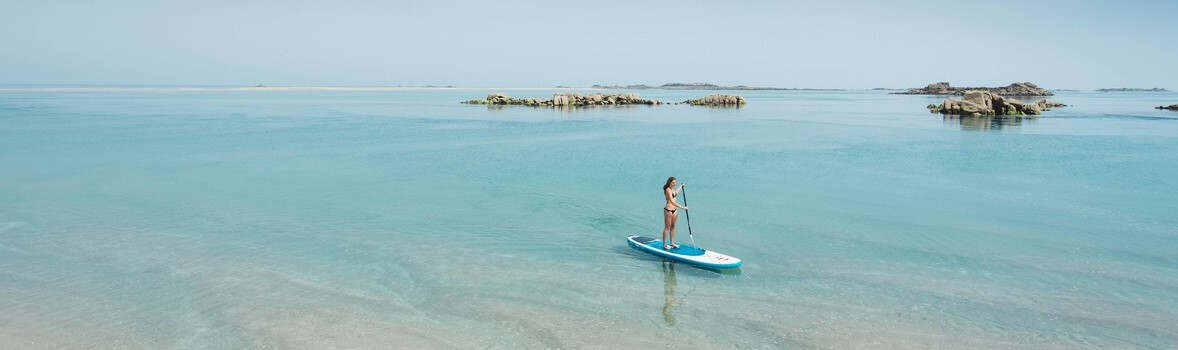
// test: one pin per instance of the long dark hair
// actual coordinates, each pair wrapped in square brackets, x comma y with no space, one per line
[668,185]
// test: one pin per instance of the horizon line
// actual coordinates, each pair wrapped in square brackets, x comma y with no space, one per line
[260,87]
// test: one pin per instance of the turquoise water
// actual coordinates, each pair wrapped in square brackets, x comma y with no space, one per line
[163,218]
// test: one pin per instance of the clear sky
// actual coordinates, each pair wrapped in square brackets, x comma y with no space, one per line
[828,44]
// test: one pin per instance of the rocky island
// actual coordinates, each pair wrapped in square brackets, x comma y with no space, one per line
[1015,89]
[1173,107]
[563,99]
[718,100]
[979,103]
[584,100]
[1131,90]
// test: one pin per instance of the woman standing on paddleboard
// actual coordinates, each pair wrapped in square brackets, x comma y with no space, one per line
[670,214]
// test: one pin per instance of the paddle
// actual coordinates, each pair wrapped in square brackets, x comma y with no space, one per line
[688,213]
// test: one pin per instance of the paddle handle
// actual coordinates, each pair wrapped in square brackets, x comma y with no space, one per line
[688,213]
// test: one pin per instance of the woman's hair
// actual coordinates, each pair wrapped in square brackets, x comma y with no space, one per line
[668,185]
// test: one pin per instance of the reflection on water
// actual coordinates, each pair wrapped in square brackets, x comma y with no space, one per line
[671,280]
[669,283]
[988,122]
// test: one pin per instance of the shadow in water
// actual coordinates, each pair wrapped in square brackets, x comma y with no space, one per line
[669,283]
[988,122]
[728,272]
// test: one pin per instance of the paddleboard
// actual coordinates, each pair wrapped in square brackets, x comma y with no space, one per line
[685,253]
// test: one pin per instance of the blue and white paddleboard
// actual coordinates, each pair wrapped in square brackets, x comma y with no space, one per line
[685,253]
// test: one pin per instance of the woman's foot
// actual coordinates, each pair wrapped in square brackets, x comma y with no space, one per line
[673,245]
[666,248]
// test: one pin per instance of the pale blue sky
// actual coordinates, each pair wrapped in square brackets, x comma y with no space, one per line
[833,44]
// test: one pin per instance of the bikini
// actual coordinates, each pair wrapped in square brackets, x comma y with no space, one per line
[672,211]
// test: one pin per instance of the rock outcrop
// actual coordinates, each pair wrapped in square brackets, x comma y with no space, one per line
[1049,104]
[1015,89]
[1170,107]
[718,100]
[566,99]
[978,103]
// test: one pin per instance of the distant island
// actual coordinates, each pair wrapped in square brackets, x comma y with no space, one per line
[700,86]
[1131,90]
[1014,89]
[559,100]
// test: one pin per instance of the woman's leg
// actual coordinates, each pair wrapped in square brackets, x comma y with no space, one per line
[671,225]
[668,220]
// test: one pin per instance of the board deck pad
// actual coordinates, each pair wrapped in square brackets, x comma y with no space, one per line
[683,249]
[685,253]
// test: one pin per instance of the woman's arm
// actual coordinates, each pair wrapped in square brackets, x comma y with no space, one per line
[671,198]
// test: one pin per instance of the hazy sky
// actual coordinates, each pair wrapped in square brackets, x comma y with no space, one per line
[829,44]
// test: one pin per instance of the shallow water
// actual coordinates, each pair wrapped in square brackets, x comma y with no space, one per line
[155,218]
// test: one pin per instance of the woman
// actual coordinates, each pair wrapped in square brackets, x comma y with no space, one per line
[670,214]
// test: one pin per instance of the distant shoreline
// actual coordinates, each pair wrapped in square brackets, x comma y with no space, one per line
[702,86]
[1131,90]
[101,88]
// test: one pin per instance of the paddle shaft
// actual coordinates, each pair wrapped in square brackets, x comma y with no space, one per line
[688,213]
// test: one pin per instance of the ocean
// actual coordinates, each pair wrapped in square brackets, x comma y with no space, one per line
[218,218]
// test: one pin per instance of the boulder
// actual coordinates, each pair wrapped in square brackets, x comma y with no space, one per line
[1033,109]
[1048,104]
[1002,106]
[498,98]
[973,108]
[982,98]
[561,100]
